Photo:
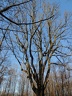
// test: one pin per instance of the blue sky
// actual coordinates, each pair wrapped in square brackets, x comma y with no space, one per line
[65,5]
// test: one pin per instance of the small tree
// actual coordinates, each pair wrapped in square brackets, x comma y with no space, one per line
[3,56]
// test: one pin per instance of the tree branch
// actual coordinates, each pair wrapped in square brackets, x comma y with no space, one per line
[16,23]
[14,5]
[47,75]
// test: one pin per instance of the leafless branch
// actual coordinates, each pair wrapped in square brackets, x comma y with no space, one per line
[16,23]
[14,5]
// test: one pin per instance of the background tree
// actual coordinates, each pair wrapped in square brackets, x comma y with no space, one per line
[3,56]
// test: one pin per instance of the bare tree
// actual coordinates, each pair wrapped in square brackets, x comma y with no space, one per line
[42,42]
[3,55]
[4,62]
[21,85]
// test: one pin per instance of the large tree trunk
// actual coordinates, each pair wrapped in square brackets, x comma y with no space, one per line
[40,92]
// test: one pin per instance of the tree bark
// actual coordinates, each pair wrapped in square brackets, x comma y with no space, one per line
[40,92]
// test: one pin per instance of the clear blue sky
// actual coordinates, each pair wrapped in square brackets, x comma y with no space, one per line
[65,5]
